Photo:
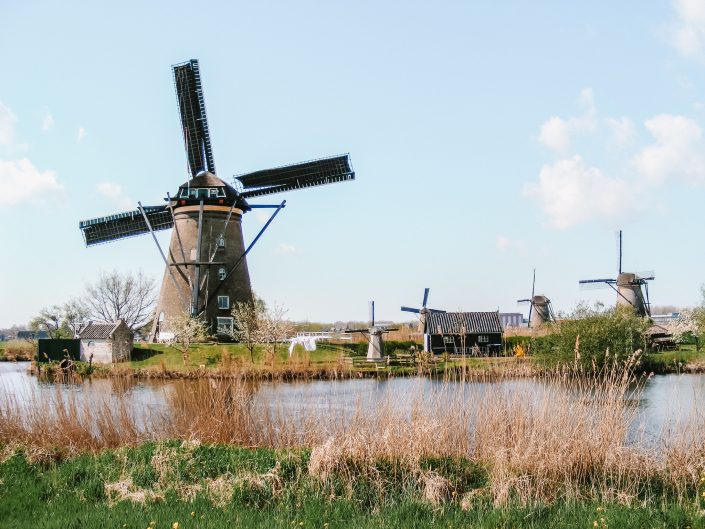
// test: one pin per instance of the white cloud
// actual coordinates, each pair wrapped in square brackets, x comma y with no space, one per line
[81,134]
[286,249]
[22,182]
[678,151]
[47,121]
[502,242]
[556,132]
[570,192]
[687,34]
[116,194]
[7,126]
[622,130]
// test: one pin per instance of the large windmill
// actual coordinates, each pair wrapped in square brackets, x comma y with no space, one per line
[540,308]
[422,312]
[632,288]
[206,267]
[375,334]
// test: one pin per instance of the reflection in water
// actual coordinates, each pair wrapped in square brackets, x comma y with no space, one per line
[667,401]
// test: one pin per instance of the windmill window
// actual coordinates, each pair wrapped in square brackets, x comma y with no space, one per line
[448,339]
[222,273]
[213,192]
[223,302]
[224,325]
[221,242]
[483,338]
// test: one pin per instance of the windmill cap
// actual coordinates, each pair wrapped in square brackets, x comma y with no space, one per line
[204,179]
[626,278]
[540,300]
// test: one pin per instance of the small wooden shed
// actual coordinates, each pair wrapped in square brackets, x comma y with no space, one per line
[472,333]
[107,343]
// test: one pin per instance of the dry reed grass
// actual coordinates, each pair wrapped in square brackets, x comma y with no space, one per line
[572,439]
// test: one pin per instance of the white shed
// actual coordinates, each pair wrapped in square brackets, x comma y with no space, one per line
[107,343]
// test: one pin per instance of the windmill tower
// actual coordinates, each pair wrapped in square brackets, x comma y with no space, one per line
[205,266]
[540,308]
[632,288]
[423,317]
[375,336]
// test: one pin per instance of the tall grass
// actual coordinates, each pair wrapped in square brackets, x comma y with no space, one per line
[572,439]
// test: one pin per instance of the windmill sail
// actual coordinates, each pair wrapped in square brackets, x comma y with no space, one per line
[127,224]
[297,176]
[194,123]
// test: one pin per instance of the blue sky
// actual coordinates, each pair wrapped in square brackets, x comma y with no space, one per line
[488,138]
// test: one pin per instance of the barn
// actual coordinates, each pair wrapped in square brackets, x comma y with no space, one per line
[107,343]
[472,333]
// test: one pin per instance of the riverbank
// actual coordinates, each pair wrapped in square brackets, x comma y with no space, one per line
[190,485]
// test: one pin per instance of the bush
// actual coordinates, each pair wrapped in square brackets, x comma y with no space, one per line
[590,334]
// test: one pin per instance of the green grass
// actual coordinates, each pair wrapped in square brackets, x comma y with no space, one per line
[72,494]
[148,355]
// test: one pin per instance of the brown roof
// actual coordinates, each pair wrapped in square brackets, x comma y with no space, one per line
[454,322]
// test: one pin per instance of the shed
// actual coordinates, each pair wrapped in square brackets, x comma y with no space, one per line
[464,332]
[107,342]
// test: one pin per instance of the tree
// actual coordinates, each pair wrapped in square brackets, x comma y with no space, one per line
[51,320]
[117,296]
[275,327]
[75,315]
[186,331]
[248,323]
[690,322]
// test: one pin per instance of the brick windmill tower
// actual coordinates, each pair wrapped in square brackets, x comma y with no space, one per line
[206,263]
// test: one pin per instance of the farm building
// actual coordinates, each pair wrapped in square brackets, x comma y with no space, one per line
[470,333]
[107,343]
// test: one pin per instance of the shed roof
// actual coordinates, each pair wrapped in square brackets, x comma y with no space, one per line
[471,322]
[99,331]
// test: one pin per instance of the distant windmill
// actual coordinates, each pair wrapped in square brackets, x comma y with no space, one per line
[423,313]
[540,308]
[632,288]
[375,349]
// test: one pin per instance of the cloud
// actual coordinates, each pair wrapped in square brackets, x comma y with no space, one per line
[22,182]
[502,243]
[556,132]
[47,121]
[687,33]
[622,130]
[570,192]
[81,134]
[116,194]
[678,151]
[286,249]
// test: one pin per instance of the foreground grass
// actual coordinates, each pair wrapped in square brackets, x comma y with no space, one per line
[204,486]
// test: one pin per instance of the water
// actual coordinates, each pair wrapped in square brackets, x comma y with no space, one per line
[666,399]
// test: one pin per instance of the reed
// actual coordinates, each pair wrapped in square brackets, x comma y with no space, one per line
[574,439]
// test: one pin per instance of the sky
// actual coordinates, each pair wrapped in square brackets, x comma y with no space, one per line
[488,139]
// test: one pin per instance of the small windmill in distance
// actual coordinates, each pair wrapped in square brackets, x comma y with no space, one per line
[375,348]
[540,308]
[632,288]
[423,314]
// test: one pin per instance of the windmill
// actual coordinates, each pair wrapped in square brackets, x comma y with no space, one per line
[206,267]
[540,308]
[375,333]
[632,288]
[422,315]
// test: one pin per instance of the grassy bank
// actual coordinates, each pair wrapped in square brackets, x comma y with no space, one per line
[216,486]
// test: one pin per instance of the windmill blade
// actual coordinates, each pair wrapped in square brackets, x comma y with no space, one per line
[123,225]
[438,311]
[297,176]
[595,284]
[425,297]
[410,309]
[531,308]
[372,313]
[533,285]
[523,301]
[646,276]
[194,123]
